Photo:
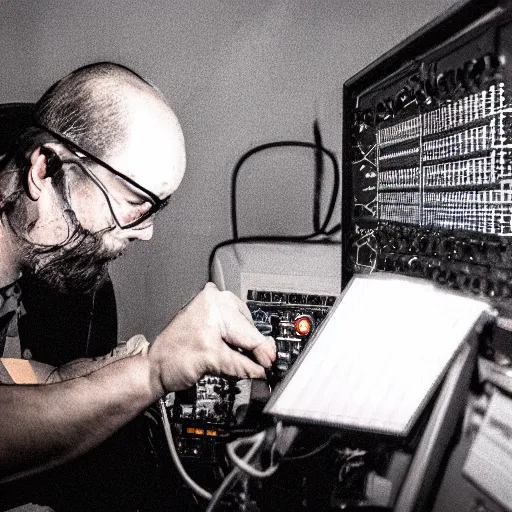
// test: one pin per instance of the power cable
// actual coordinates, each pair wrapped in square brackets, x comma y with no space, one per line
[176,458]
[289,143]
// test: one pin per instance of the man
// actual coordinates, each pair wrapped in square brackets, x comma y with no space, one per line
[103,154]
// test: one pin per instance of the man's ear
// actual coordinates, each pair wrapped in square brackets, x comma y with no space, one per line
[42,162]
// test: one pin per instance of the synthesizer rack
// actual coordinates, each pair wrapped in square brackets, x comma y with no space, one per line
[428,159]
[427,192]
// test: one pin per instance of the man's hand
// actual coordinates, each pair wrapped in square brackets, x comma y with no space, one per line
[204,337]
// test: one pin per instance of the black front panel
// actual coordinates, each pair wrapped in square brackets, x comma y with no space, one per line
[427,192]
[430,163]
[291,319]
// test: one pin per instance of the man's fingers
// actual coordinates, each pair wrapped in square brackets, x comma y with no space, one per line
[238,365]
[239,333]
[264,348]
[266,352]
[238,329]
[230,298]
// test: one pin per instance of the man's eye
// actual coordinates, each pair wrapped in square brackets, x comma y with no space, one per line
[140,206]
[138,202]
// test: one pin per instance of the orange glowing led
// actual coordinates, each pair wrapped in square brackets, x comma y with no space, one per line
[212,433]
[302,326]
[199,431]
[191,430]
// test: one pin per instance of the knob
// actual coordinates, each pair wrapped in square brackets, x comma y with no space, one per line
[402,263]
[459,249]
[506,290]
[403,98]
[433,246]
[430,267]
[446,247]
[282,367]
[493,255]
[420,244]
[415,265]
[264,327]
[480,253]
[494,289]
[403,245]
[470,252]
[381,261]
[439,275]
[390,261]
[479,285]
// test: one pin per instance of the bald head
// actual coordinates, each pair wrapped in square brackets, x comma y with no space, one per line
[115,114]
[90,105]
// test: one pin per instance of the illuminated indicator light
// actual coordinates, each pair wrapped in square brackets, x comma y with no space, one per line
[199,431]
[212,433]
[191,430]
[303,326]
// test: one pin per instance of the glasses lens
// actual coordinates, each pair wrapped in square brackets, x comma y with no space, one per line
[128,204]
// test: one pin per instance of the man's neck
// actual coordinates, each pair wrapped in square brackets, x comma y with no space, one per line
[10,255]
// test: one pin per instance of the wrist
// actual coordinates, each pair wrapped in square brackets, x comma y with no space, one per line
[154,372]
[146,374]
[153,379]
[147,377]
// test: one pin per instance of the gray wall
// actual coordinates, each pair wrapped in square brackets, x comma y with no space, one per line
[238,73]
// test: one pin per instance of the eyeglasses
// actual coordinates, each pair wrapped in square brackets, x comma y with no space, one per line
[127,213]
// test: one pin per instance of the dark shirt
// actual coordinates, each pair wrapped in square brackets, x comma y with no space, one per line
[56,329]
[10,311]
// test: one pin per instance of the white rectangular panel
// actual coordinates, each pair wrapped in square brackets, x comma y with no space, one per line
[379,355]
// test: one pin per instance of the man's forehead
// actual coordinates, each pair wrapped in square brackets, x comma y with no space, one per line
[152,152]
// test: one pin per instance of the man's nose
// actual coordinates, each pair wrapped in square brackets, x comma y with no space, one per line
[142,232]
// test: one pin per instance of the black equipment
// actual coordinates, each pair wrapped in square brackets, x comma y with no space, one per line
[427,156]
[427,192]
[288,301]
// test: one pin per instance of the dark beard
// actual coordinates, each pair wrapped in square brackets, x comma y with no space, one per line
[79,265]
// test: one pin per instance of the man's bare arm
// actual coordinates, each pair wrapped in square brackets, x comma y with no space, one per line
[44,425]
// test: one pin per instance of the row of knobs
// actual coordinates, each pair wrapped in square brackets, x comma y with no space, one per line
[494,283]
[447,248]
